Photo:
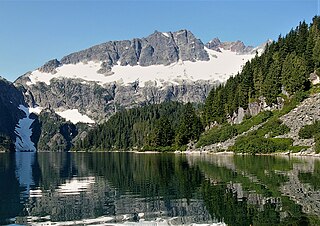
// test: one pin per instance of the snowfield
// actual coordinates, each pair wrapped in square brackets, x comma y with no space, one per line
[23,131]
[220,67]
[74,116]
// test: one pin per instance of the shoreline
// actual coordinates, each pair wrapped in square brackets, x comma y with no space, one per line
[196,152]
[289,154]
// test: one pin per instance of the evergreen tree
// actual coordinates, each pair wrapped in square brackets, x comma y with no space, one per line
[302,37]
[308,55]
[294,73]
[190,126]
[285,63]
[272,83]
[162,134]
[316,53]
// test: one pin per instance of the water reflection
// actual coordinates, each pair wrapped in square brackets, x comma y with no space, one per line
[24,164]
[123,188]
[261,190]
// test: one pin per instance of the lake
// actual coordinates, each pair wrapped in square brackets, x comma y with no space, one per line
[158,189]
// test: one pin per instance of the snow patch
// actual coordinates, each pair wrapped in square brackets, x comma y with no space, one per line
[106,220]
[36,110]
[23,131]
[74,116]
[220,67]
[166,34]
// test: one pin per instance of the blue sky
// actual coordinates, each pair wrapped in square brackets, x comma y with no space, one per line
[33,32]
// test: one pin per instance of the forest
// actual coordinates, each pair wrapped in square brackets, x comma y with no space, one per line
[163,127]
[282,70]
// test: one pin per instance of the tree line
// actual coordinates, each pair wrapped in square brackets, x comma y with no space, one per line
[165,126]
[284,67]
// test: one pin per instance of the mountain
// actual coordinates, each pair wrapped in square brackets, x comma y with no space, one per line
[97,82]
[10,114]
[270,106]
[237,46]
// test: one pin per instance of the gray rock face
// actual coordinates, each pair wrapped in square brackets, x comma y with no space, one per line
[10,99]
[99,102]
[53,133]
[214,44]
[305,114]
[158,48]
[240,116]
[255,108]
[50,66]
[237,46]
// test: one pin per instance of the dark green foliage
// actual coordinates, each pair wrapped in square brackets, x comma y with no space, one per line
[290,104]
[256,144]
[312,131]
[153,127]
[286,64]
[294,74]
[53,133]
[272,85]
[262,140]
[218,134]
[316,53]
[6,144]
[317,145]
[162,134]
[190,126]
[227,131]
[272,128]
[256,120]
[309,131]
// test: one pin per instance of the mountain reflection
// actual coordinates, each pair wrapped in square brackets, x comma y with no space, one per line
[100,188]
[24,164]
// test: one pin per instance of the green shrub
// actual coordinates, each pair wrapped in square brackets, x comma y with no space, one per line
[256,120]
[312,131]
[227,131]
[273,128]
[295,149]
[290,104]
[218,134]
[317,140]
[309,131]
[255,144]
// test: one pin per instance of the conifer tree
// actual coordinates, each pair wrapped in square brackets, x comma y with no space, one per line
[190,126]
[272,83]
[316,53]
[294,73]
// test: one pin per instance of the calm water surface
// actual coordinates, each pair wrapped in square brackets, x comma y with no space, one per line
[157,189]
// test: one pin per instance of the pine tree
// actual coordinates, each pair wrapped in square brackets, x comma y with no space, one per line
[302,37]
[316,53]
[294,73]
[190,126]
[162,134]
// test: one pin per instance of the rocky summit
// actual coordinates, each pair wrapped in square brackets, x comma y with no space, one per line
[103,79]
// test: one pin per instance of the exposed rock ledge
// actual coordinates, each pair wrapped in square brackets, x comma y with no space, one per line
[305,114]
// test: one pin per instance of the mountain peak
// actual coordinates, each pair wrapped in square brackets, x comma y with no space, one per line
[159,48]
[236,46]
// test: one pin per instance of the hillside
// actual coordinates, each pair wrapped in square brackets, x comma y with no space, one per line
[260,110]
[283,76]
[10,99]
[103,79]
